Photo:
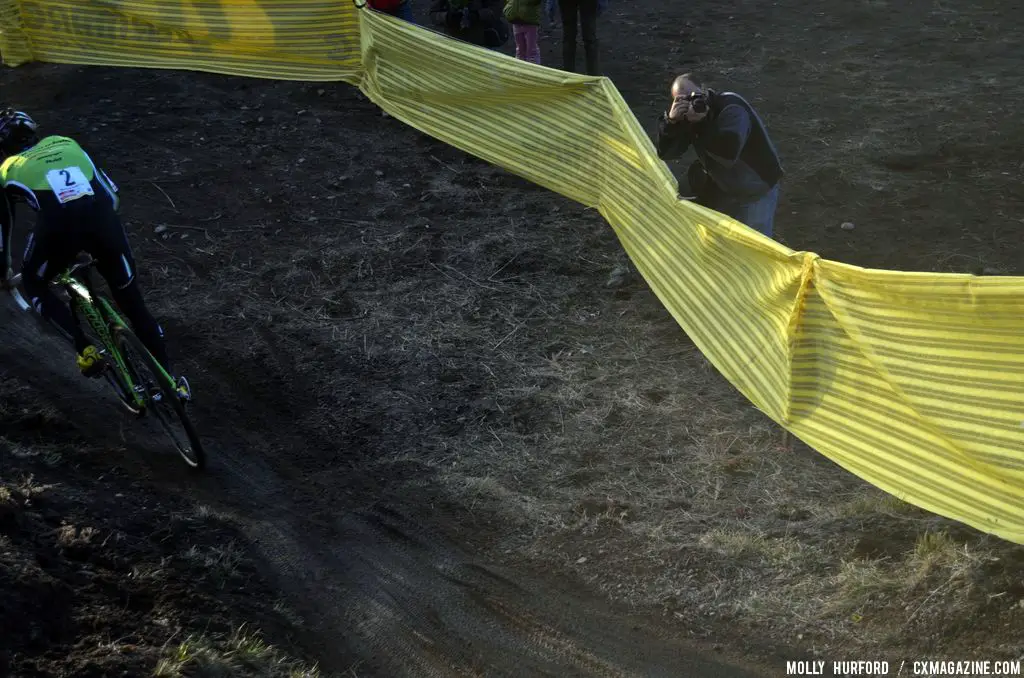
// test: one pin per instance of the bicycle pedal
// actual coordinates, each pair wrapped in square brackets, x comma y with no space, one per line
[184,390]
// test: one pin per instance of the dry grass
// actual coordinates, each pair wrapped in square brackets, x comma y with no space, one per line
[935,559]
[582,421]
[221,561]
[625,456]
[69,535]
[241,655]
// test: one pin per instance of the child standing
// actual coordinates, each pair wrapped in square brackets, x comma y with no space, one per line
[524,15]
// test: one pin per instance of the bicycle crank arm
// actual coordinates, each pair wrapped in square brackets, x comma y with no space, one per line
[11,281]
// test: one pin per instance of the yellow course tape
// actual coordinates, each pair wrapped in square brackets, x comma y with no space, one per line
[912,381]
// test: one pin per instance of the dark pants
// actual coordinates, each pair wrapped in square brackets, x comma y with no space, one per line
[585,11]
[491,34]
[404,12]
[92,226]
[758,212]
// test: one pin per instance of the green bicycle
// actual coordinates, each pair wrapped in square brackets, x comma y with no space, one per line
[141,383]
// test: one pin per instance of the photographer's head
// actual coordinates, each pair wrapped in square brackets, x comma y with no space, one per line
[689,99]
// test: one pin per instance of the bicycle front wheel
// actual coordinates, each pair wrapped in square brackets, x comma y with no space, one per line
[125,395]
[161,395]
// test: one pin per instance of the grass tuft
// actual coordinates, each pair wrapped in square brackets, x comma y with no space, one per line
[241,655]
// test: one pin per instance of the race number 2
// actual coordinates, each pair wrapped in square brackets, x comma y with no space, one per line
[68,184]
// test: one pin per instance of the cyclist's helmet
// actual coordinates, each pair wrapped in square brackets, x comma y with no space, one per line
[17,131]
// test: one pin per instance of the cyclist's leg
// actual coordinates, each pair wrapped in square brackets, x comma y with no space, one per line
[114,260]
[130,301]
[50,249]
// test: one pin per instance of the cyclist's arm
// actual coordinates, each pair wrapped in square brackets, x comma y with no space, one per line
[106,182]
[12,193]
[6,226]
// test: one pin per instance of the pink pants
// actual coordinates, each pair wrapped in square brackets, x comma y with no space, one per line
[527,46]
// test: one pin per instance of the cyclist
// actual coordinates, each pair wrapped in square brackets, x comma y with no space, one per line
[76,205]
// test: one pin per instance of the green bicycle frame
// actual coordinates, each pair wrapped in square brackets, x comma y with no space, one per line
[96,310]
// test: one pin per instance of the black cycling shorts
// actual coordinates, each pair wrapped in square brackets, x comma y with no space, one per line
[84,225]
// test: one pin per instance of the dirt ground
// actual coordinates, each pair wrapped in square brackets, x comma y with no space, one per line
[99,577]
[439,436]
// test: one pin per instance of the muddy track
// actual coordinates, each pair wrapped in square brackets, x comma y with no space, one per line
[387,595]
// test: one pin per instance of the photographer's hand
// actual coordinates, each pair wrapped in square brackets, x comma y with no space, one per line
[680,107]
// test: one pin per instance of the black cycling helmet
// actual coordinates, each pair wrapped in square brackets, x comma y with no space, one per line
[17,131]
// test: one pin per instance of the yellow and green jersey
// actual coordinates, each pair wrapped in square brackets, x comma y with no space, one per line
[47,176]
[53,173]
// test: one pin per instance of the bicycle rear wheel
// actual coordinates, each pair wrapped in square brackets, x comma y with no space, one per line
[162,398]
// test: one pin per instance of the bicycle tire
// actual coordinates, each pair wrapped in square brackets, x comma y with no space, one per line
[133,350]
[124,396]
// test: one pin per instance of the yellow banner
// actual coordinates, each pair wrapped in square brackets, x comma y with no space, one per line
[912,381]
[279,39]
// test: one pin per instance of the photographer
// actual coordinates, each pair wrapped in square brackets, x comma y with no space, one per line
[737,171]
